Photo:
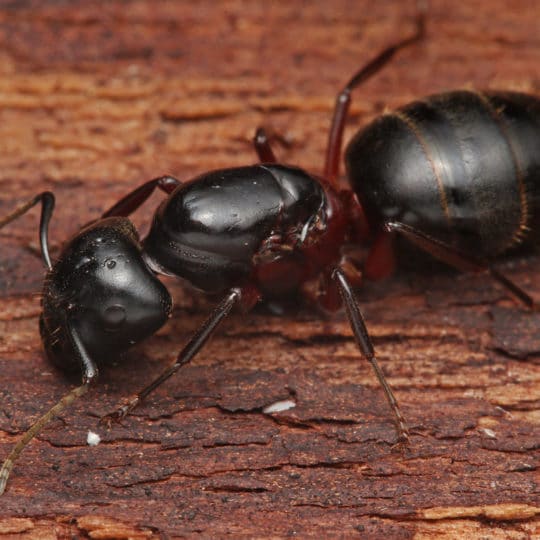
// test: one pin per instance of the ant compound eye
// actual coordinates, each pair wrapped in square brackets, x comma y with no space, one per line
[114,317]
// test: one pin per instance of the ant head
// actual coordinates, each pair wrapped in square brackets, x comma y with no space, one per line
[103,287]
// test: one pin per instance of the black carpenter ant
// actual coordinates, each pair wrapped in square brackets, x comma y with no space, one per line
[456,174]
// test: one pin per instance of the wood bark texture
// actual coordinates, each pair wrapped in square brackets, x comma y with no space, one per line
[98,97]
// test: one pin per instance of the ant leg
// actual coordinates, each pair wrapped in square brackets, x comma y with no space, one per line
[366,348]
[90,373]
[343,100]
[453,257]
[138,196]
[381,261]
[262,146]
[186,354]
[47,206]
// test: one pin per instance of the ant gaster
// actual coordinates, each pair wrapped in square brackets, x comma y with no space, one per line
[453,174]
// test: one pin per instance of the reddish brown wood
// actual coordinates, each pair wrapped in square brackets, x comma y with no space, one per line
[96,98]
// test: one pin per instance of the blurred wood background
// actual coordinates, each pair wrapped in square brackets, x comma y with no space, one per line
[96,98]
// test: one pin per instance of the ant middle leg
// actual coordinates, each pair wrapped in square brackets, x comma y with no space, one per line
[343,100]
[365,346]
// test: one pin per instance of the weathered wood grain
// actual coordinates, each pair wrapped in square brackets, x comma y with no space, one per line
[97,97]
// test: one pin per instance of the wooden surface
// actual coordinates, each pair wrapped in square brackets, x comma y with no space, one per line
[96,98]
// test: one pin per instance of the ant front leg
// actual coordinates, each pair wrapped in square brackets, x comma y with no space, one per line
[133,200]
[460,261]
[186,354]
[366,348]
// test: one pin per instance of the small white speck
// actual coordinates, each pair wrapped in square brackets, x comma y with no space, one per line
[93,439]
[489,432]
[279,406]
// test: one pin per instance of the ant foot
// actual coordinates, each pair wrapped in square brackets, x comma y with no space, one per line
[403,442]
[115,417]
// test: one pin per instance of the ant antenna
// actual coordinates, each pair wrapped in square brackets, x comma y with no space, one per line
[66,401]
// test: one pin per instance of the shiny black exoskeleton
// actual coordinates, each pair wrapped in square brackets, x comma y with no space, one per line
[220,228]
[252,231]
[100,298]
[456,174]
[462,167]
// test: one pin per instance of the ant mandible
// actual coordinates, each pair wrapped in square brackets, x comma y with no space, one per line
[249,233]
